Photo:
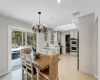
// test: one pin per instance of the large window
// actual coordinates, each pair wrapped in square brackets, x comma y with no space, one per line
[31,39]
[21,39]
[16,38]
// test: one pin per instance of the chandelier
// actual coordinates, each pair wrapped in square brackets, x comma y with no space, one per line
[39,27]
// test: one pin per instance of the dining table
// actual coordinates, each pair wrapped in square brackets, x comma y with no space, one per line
[41,63]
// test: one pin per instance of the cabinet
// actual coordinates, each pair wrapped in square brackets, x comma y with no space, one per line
[74,34]
[45,36]
[56,36]
[52,36]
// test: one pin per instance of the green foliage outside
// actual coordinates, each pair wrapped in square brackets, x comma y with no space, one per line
[17,38]
[31,38]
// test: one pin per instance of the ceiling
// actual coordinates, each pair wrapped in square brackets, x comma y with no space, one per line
[53,14]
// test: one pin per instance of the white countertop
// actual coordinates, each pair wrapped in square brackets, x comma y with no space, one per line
[52,47]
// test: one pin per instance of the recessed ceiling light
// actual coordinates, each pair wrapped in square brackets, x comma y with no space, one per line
[58,1]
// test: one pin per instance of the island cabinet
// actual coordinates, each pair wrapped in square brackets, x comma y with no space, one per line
[56,37]
[53,37]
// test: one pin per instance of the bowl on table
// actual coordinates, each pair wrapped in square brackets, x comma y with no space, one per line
[37,55]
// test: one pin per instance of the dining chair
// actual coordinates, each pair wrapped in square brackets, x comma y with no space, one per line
[23,59]
[52,72]
[26,50]
[24,71]
[31,70]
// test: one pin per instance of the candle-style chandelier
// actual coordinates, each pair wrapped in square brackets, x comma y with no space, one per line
[39,27]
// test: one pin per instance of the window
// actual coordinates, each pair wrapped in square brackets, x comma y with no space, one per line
[21,39]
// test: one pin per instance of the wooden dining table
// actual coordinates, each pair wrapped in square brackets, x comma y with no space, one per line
[41,63]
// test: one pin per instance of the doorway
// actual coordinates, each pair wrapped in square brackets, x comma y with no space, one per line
[16,47]
[67,43]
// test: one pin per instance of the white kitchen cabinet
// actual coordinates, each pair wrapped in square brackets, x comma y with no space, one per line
[57,36]
[73,34]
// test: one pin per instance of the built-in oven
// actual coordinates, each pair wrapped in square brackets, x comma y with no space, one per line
[73,48]
[73,42]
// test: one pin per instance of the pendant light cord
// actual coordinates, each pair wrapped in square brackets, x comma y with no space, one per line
[39,16]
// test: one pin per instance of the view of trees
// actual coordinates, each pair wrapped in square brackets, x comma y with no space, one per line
[18,38]
[31,38]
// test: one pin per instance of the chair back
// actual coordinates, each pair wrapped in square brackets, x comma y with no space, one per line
[23,58]
[31,70]
[28,61]
[26,51]
[53,68]
[23,61]
[54,58]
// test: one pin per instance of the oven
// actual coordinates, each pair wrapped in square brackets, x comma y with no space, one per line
[73,48]
[73,42]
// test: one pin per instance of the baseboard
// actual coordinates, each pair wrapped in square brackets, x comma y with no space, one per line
[4,73]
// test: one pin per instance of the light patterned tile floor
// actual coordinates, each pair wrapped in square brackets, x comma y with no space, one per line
[67,70]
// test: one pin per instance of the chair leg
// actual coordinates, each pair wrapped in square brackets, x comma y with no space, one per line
[57,78]
[32,78]
[22,74]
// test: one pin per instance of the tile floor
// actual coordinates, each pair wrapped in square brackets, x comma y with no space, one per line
[16,62]
[67,70]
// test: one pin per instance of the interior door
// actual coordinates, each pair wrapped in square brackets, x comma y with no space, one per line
[67,43]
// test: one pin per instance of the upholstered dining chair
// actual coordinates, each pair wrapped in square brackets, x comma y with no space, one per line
[31,70]
[52,72]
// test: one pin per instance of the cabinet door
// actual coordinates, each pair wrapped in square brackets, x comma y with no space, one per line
[45,36]
[52,36]
[71,34]
[58,36]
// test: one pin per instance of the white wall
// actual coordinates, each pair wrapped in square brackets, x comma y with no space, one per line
[97,11]
[98,45]
[4,23]
[86,44]
[96,48]
[40,41]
